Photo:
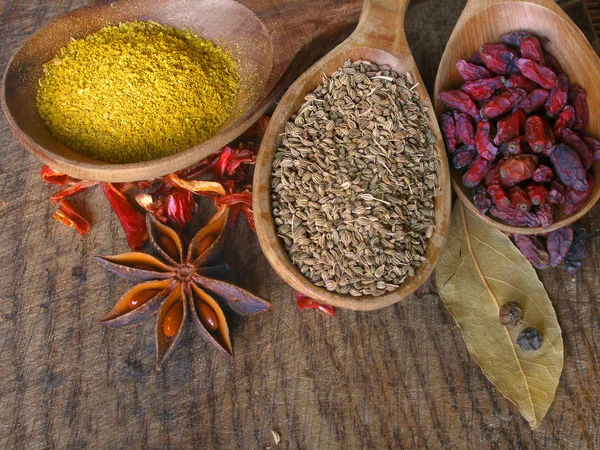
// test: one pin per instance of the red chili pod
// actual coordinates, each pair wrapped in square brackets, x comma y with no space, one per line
[476,172]
[459,100]
[557,99]
[510,127]
[565,120]
[132,221]
[576,143]
[577,99]
[482,89]
[448,127]
[52,176]
[537,73]
[532,49]
[69,216]
[539,135]
[73,189]
[304,302]
[465,133]
[483,141]
[470,71]
[502,103]
[498,58]
[534,100]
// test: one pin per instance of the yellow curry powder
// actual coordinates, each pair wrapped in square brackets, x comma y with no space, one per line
[137,91]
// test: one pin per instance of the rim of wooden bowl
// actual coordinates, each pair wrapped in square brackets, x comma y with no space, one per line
[456,174]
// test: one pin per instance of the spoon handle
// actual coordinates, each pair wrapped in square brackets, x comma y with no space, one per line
[381,24]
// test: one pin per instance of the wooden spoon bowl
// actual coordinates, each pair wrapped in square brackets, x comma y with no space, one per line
[379,38]
[484,21]
[272,44]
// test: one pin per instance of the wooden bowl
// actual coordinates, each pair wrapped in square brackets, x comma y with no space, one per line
[272,45]
[484,21]
[379,38]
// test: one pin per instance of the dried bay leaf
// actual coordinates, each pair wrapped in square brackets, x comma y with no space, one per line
[479,271]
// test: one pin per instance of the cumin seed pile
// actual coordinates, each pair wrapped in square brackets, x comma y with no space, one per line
[354,181]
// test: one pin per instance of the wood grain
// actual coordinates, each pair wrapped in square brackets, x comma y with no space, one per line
[395,378]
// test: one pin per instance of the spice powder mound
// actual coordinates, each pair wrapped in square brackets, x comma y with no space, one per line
[137,91]
[354,181]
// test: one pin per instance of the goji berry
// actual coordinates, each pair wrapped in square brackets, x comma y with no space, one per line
[574,200]
[517,80]
[545,214]
[537,73]
[568,167]
[483,141]
[519,199]
[557,99]
[463,156]
[558,244]
[498,196]
[543,174]
[515,146]
[471,72]
[481,199]
[510,127]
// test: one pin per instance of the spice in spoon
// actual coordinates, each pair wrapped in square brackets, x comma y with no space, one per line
[354,181]
[137,91]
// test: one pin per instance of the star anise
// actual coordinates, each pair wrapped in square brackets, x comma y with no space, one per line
[178,284]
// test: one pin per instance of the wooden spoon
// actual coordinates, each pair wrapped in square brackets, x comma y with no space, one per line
[484,21]
[273,41]
[379,38]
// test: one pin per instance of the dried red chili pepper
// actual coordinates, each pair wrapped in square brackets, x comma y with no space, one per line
[568,167]
[576,143]
[565,120]
[460,101]
[465,132]
[545,214]
[533,249]
[577,99]
[240,202]
[304,302]
[515,146]
[476,172]
[498,196]
[534,100]
[576,253]
[539,135]
[481,199]
[543,174]
[574,200]
[515,217]
[482,89]
[68,215]
[448,127]
[558,244]
[132,221]
[552,63]
[52,176]
[518,168]
[557,99]
[463,157]
[519,199]
[72,189]
[537,73]
[537,194]
[483,141]
[594,145]
[517,80]
[502,103]
[498,58]
[510,128]
[471,72]
[532,49]
[514,38]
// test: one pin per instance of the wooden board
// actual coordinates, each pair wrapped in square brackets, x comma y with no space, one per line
[396,378]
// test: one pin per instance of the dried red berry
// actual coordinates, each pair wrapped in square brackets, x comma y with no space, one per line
[498,196]
[502,103]
[519,199]
[482,89]
[533,249]
[471,72]
[519,168]
[568,167]
[460,101]
[558,244]
[537,73]
[498,58]
[576,143]
[534,100]
[577,99]
[532,49]
[510,127]
[476,172]
[565,120]
[539,135]
[448,129]
[483,141]
[465,133]
[557,99]
[537,194]
[543,174]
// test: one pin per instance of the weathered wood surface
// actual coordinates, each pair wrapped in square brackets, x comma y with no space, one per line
[396,378]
